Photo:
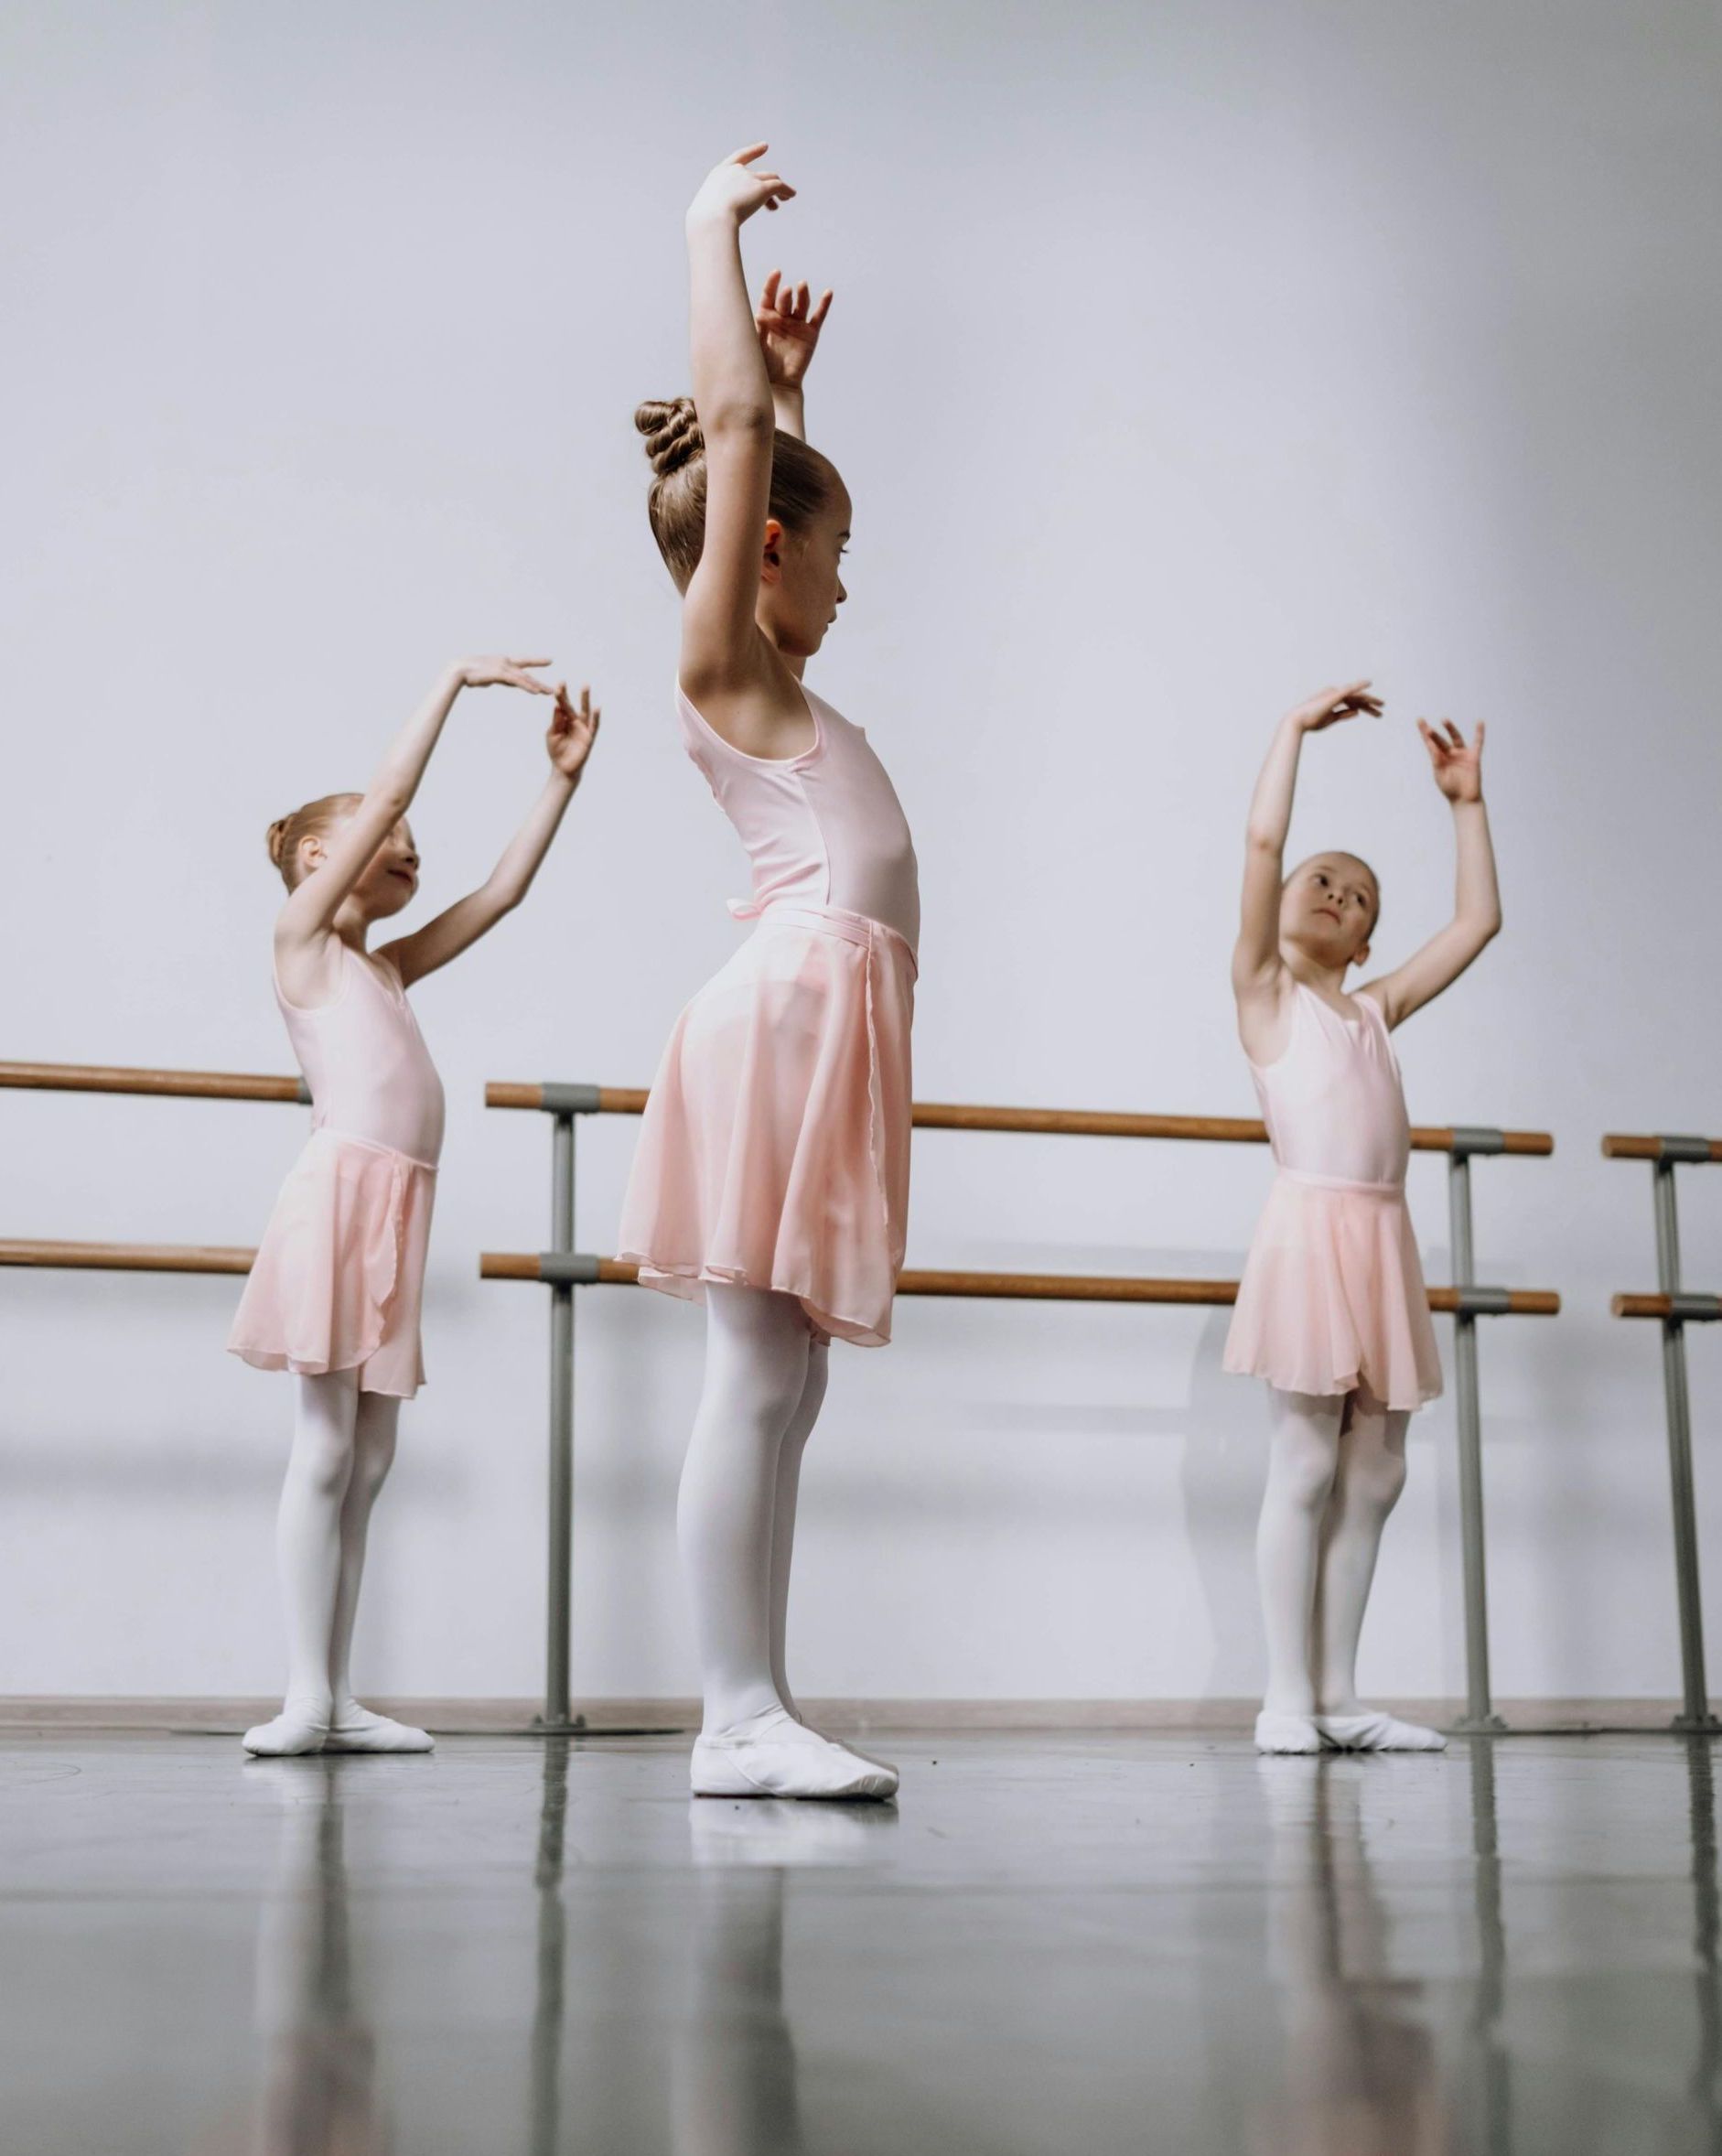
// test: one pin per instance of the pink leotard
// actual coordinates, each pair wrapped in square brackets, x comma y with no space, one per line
[1332,1099]
[365,1061]
[823,828]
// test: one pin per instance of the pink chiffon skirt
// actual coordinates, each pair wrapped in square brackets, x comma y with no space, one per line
[339,1275]
[774,1152]
[1332,1295]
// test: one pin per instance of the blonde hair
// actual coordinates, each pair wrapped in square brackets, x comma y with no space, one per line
[314,820]
[800,483]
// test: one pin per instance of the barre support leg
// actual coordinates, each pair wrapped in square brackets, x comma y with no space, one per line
[558,1587]
[1480,1714]
[1694,1713]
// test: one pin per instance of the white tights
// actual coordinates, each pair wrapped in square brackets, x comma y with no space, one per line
[1336,1466]
[343,1447]
[764,1381]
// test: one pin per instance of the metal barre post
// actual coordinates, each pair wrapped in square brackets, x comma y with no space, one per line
[1479,1713]
[1695,1713]
[559,1571]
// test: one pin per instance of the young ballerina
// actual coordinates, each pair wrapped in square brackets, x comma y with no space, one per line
[1331,1308]
[771,1176]
[334,1292]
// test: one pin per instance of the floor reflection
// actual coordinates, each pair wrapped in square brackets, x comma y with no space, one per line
[1701,2106]
[1099,1948]
[734,2074]
[316,2092]
[1359,2065]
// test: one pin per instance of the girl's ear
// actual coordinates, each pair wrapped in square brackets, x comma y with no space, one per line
[772,560]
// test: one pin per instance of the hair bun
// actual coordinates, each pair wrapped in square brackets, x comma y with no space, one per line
[672,433]
[275,838]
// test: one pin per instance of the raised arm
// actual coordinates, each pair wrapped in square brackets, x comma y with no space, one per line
[789,326]
[308,915]
[568,743]
[1457,766]
[722,651]
[1255,960]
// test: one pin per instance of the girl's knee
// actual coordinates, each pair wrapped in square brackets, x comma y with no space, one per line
[322,1462]
[1379,1479]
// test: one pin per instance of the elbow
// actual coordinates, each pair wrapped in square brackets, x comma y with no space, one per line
[1484,926]
[1258,839]
[738,418]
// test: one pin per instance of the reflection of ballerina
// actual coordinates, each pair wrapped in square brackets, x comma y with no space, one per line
[733,2079]
[1360,2072]
[318,2094]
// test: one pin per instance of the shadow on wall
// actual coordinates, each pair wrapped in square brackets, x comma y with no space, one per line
[1225,1460]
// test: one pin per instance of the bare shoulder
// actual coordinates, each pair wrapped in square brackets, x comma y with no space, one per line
[761,708]
[1265,1016]
[307,967]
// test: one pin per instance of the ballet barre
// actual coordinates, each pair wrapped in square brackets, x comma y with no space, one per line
[141,1257]
[204,1086]
[562,1269]
[1673,1308]
[126,1258]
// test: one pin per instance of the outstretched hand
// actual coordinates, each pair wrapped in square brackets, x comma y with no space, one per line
[735,189]
[572,732]
[496,672]
[1328,707]
[1457,764]
[789,329]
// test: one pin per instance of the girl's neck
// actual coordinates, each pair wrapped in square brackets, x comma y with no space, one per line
[1327,981]
[352,930]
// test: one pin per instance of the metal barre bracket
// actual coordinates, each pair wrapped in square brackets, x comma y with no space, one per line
[567,1268]
[1469,1139]
[304,1095]
[1689,1308]
[1694,1151]
[569,1100]
[1484,1303]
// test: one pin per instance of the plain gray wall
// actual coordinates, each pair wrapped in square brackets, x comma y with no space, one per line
[1184,356]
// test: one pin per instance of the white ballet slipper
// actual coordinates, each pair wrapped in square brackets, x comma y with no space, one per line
[774,1755]
[1377,1732]
[356,1728]
[1287,1732]
[298,1729]
[889,1765]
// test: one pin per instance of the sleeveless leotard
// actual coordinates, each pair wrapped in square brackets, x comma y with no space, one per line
[1332,1295]
[774,1150]
[339,1278]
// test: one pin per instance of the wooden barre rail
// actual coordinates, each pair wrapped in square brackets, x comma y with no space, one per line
[221,1085]
[626,1100]
[629,1100]
[1618,1146]
[526,1265]
[128,1257]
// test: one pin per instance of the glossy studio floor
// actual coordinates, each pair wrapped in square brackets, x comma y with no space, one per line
[1051,1943]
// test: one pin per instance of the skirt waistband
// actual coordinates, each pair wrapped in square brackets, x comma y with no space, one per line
[371,1145]
[1341,1182]
[835,920]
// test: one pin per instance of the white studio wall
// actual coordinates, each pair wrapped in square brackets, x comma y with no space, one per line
[1183,357]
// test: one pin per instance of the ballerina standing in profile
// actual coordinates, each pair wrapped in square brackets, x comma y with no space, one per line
[771,1178]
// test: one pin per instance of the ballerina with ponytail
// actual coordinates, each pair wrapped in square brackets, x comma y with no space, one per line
[334,1292]
[772,1178]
